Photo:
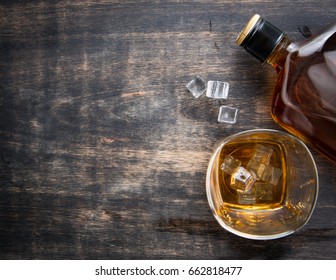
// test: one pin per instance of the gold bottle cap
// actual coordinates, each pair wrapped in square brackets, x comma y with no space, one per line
[247,29]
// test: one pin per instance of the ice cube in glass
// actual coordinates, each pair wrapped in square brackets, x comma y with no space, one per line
[242,180]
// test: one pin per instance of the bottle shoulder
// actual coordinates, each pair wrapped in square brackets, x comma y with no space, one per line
[315,43]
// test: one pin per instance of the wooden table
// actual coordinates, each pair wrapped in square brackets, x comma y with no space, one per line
[103,150]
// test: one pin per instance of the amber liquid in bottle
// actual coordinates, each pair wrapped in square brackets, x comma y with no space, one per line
[304,100]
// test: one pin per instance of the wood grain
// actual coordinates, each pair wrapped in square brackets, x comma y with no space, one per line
[104,152]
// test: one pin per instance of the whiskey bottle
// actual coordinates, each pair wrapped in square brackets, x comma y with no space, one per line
[304,99]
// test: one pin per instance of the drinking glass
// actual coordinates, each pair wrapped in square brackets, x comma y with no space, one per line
[249,203]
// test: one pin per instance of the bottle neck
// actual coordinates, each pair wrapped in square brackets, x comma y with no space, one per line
[264,41]
[277,57]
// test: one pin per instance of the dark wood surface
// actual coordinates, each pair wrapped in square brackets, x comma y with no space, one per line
[104,152]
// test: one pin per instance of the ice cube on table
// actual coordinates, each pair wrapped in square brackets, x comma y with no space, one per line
[227,114]
[242,180]
[271,175]
[196,86]
[264,191]
[230,164]
[217,89]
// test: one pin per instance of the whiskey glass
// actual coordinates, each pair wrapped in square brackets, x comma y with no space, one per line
[262,197]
